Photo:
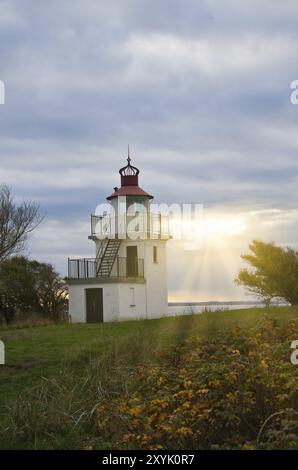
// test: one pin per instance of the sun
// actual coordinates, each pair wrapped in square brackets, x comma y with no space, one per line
[212,229]
[212,246]
[223,227]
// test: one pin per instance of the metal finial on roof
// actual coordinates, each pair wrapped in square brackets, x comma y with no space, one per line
[129,182]
[129,170]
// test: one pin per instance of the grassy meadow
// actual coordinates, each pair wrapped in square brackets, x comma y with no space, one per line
[219,380]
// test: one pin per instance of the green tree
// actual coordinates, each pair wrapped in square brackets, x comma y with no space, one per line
[51,290]
[29,286]
[273,272]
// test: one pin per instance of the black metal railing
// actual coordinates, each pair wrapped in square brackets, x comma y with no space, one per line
[131,226]
[88,268]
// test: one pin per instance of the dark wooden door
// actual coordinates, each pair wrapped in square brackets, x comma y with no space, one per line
[132,261]
[94,305]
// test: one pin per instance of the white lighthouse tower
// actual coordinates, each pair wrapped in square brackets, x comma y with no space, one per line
[127,278]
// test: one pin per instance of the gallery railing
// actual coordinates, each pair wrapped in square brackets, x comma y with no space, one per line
[89,268]
[134,226]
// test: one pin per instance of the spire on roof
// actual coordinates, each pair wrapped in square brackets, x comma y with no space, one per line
[129,181]
[129,170]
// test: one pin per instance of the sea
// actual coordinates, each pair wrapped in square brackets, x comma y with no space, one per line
[190,308]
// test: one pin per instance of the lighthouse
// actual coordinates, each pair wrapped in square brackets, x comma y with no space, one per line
[127,278]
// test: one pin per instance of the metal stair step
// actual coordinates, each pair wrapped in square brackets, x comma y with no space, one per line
[108,251]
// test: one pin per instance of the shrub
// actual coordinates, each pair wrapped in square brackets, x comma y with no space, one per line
[235,390]
[210,395]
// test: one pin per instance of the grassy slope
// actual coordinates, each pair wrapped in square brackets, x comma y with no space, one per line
[32,353]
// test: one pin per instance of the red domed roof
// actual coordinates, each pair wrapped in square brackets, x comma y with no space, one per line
[130,191]
[129,182]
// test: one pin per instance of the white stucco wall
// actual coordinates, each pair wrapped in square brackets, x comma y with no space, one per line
[153,296]
[77,301]
[150,298]
[130,310]
[156,279]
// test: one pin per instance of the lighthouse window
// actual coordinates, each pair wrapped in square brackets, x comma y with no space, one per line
[135,205]
[155,257]
[132,296]
[139,207]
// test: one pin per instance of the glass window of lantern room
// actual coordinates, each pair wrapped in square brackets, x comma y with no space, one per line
[140,206]
[135,205]
[130,206]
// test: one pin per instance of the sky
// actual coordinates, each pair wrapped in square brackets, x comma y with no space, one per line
[200,91]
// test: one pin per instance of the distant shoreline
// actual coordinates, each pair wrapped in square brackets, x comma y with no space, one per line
[214,302]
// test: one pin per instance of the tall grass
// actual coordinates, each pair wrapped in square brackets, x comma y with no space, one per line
[232,388]
[59,412]
[30,321]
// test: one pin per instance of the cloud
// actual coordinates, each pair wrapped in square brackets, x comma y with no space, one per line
[201,91]
[210,56]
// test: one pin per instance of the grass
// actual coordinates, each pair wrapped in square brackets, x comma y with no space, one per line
[56,377]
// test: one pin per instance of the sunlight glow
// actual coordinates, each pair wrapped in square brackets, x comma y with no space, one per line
[211,257]
[195,233]
[209,252]
[215,228]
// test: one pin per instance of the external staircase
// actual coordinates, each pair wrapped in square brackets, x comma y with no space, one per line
[106,257]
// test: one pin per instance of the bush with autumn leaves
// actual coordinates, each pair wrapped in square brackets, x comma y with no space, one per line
[236,390]
[212,381]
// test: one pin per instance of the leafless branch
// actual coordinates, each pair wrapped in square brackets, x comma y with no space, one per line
[17,222]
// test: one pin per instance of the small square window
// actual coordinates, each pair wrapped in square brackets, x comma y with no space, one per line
[155,257]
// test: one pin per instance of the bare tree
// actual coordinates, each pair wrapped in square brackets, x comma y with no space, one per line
[16,223]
